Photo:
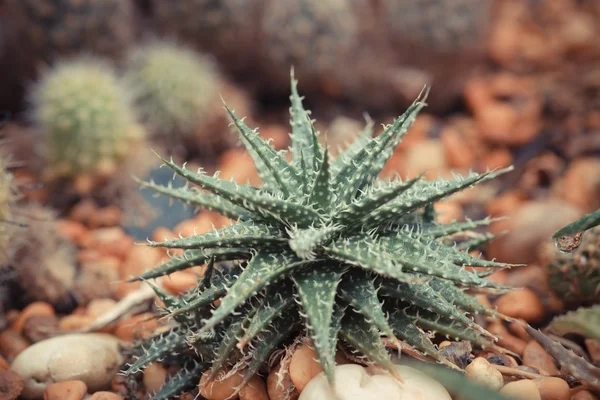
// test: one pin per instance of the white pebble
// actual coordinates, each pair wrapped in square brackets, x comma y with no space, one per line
[354,382]
[481,371]
[92,358]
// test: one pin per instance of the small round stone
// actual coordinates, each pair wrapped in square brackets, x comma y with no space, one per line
[304,366]
[279,385]
[105,396]
[11,384]
[535,356]
[91,358]
[552,388]
[521,390]
[66,390]
[354,382]
[481,371]
[155,376]
[220,389]
[255,389]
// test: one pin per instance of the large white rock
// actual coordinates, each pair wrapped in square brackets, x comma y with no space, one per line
[93,358]
[354,382]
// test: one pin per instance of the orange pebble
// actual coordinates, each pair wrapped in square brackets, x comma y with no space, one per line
[65,390]
[11,384]
[105,396]
[497,158]
[137,327]
[583,395]
[161,234]
[255,389]
[12,343]
[521,303]
[219,389]
[535,356]
[3,363]
[552,388]
[111,241]
[179,282]
[74,322]
[71,230]
[35,308]
[518,329]
[279,384]
[155,376]
[505,339]
[304,366]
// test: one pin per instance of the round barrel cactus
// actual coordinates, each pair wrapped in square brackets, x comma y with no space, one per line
[174,88]
[86,118]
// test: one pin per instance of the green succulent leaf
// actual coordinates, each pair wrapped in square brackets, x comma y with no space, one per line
[366,252]
[320,194]
[191,258]
[365,338]
[317,288]
[372,200]
[201,199]
[303,146]
[262,270]
[350,152]
[269,340]
[185,379]
[359,290]
[275,303]
[271,165]
[369,161]
[244,234]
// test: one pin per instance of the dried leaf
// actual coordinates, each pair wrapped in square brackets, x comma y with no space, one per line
[569,362]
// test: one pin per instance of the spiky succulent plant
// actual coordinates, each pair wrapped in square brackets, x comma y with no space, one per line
[323,248]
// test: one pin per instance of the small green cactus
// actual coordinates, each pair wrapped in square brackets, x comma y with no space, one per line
[86,119]
[323,248]
[59,27]
[174,88]
[575,276]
